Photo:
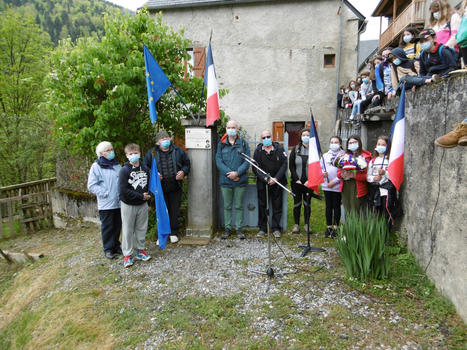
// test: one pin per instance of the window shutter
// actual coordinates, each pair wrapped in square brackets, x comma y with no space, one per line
[199,58]
[278,131]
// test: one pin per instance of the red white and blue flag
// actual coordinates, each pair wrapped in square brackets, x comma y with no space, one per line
[315,175]
[396,159]
[210,80]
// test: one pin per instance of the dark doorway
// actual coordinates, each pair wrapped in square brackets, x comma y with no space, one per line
[293,129]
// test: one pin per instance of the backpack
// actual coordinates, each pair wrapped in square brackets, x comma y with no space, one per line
[440,50]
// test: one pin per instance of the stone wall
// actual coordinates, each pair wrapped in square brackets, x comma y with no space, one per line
[434,191]
[270,56]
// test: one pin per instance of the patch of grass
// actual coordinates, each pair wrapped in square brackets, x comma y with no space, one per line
[19,333]
[194,321]
[317,217]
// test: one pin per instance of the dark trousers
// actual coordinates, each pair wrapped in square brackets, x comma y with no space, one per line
[463,53]
[333,207]
[275,196]
[173,199]
[111,225]
[302,194]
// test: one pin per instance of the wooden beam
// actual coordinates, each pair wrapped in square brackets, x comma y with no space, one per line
[20,257]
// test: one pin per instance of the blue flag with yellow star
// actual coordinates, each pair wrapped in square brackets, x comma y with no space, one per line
[162,214]
[156,81]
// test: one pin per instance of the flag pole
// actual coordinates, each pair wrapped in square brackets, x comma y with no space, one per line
[317,139]
[184,104]
[204,72]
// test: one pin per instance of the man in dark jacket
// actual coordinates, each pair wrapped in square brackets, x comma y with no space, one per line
[271,157]
[173,165]
[435,58]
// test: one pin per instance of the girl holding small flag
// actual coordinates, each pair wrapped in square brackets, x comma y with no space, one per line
[382,193]
[331,186]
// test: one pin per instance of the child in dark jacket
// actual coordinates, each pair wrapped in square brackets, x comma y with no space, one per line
[134,195]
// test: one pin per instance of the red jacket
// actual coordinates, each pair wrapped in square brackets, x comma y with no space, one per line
[360,177]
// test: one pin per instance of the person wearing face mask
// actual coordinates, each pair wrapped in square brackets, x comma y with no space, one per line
[233,177]
[435,58]
[383,76]
[353,92]
[173,165]
[331,186]
[271,157]
[445,21]
[298,166]
[409,45]
[354,186]
[103,182]
[382,195]
[133,183]
[366,92]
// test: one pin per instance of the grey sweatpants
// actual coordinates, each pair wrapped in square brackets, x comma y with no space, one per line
[134,226]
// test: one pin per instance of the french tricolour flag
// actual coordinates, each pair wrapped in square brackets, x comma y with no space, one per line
[210,80]
[396,159]
[315,175]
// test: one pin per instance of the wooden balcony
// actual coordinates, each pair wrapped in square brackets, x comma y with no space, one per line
[413,14]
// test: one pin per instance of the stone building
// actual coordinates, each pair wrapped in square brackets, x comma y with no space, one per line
[277,58]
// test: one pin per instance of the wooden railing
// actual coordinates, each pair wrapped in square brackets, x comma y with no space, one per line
[413,14]
[25,208]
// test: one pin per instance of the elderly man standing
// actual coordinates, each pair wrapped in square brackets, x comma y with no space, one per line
[233,177]
[271,157]
[173,165]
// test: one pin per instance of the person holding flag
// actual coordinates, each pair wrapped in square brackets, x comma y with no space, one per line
[173,165]
[331,186]
[271,157]
[298,166]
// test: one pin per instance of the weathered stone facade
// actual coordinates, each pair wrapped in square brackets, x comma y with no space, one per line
[434,191]
[270,56]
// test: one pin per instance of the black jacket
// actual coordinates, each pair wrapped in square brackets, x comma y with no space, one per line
[132,183]
[432,63]
[179,158]
[274,163]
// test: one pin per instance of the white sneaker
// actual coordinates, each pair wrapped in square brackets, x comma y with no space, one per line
[173,239]
[157,242]
[296,229]
[305,227]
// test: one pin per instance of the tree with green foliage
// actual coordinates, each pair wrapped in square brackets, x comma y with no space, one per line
[25,152]
[98,87]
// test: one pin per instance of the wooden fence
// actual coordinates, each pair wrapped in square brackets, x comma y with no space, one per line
[25,208]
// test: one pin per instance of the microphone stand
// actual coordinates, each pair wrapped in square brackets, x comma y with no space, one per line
[308,248]
[266,177]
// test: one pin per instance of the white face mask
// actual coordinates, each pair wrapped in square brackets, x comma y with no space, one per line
[436,15]
[334,146]
[353,146]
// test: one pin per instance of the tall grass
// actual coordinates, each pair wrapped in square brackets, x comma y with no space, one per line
[361,244]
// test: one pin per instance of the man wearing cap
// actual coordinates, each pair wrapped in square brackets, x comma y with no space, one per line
[173,165]
[271,157]
[435,58]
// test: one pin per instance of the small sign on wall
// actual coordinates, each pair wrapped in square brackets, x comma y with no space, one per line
[198,138]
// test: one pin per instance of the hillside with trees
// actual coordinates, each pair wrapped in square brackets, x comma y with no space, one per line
[64,18]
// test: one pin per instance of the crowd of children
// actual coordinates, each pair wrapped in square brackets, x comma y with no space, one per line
[422,58]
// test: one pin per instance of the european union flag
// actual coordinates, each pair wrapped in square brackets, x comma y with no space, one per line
[156,81]
[162,214]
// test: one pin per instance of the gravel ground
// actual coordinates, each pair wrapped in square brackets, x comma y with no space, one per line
[222,268]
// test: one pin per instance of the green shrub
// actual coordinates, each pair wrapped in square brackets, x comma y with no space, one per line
[361,244]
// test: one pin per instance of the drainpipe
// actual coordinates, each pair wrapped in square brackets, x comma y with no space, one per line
[339,48]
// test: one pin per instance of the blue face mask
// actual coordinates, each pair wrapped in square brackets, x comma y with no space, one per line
[306,140]
[380,149]
[397,61]
[407,38]
[165,143]
[366,80]
[334,147]
[134,158]
[110,155]
[426,45]
[436,15]
[353,147]
[231,132]
[267,142]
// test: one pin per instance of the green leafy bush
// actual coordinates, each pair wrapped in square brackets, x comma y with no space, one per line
[361,244]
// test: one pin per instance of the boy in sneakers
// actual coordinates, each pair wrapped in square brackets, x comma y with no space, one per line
[134,196]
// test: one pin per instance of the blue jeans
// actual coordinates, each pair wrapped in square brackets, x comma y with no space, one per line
[356,107]
[411,81]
